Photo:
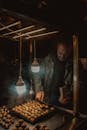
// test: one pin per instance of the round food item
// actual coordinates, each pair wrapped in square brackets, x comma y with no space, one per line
[47,111]
[14,109]
[4,118]
[26,108]
[4,107]
[17,124]
[38,115]
[52,108]
[25,115]
[9,123]
[3,123]
[5,113]
[37,127]
[42,128]
[27,128]
[28,117]
[2,111]
[14,128]
[20,128]
[34,128]
[20,121]
[45,127]
[32,118]
[12,121]
[7,120]
[6,126]
[9,116]
[23,125]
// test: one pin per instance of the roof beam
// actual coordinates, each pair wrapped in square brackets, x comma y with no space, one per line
[8,26]
[31,32]
[17,31]
[44,34]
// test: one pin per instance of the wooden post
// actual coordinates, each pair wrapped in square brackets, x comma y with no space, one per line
[75,82]
[75,74]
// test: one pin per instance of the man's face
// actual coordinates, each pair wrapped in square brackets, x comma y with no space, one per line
[62,52]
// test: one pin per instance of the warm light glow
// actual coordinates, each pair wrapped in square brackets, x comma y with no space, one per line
[20,86]
[35,68]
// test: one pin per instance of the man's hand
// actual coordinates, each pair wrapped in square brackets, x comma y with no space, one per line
[40,95]
[64,100]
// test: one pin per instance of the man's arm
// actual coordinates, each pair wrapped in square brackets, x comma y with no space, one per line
[64,97]
[38,87]
[66,91]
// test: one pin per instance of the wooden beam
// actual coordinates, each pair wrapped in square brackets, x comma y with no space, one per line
[19,30]
[44,34]
[8,26]
[31,32]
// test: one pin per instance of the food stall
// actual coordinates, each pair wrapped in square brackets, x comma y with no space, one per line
[32,114]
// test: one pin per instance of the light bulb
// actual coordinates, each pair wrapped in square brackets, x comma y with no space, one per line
[20,86]
[35,66]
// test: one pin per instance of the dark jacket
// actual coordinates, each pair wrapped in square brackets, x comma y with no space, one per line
[42,80]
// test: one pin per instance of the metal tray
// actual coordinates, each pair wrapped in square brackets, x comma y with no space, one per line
[24,111]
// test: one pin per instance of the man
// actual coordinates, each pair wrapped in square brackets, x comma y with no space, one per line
[53,82]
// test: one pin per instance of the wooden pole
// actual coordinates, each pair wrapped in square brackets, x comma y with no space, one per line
[75,82]
[75,74]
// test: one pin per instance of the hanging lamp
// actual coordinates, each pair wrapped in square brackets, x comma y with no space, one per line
[31,92]
[35,67]
[20,85]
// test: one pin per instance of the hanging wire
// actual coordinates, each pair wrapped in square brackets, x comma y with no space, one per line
[30,46]
[20,44]
[34,50]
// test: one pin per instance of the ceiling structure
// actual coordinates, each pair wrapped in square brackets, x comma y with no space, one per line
[59,13]
[67,17]
[14,25]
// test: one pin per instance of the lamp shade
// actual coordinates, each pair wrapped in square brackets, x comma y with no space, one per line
[35,67]
[20,86]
